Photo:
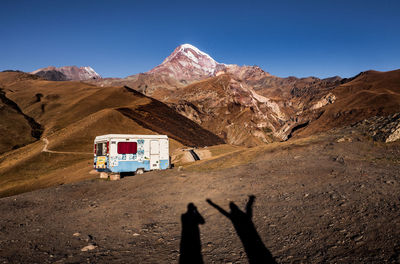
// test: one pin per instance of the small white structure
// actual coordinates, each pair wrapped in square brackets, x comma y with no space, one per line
[118,153]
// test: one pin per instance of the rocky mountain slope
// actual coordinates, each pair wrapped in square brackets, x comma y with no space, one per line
[185,65]
[248,106]
[245,105]
[232,109]
[67,73]
[368,94]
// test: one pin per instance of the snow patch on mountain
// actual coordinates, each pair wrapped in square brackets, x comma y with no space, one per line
[187,63]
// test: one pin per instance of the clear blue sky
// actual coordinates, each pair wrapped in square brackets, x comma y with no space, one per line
[120,38]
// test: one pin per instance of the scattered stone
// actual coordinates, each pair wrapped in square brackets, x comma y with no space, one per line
[136,234]
[180,168]
[339,159]
[343,139]
[394,136]
[115,177]
[76,234]
[88,247]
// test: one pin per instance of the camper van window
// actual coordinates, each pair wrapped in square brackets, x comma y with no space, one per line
[127,147]
[100,149]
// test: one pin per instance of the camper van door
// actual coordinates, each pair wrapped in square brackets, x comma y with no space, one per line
[154,155]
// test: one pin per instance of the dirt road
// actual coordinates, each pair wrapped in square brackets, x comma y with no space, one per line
[47,142]
[321,202]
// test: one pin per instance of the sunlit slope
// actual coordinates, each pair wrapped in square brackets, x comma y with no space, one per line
[71,115]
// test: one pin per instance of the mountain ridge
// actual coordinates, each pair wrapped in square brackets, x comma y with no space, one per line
[244,105]
[67,73]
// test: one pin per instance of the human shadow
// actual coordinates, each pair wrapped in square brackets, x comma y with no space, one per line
[190,247]
[244,226]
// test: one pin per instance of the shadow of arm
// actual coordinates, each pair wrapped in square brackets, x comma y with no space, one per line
[222,211]
[249,206]
[200,219]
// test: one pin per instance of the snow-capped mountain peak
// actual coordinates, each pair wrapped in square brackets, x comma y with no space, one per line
[188,63]
[190,52]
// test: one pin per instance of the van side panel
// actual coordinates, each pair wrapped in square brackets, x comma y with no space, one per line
[131,166]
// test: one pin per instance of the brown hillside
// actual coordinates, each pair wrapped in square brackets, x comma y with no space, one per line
[371,93]
[70,115]
[249,112]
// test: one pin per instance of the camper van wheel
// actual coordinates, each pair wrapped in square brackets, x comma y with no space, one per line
[139,171]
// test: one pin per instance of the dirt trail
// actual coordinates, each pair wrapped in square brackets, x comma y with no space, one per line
[46,144]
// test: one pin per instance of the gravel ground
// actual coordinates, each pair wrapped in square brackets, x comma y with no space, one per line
[324,201]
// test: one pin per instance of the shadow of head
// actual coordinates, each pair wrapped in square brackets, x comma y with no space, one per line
[194,215]
[191,207]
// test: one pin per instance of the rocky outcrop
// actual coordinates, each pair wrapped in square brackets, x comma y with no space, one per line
[249,73]
[382,128]
[231,109]
[327,99]
[52,75]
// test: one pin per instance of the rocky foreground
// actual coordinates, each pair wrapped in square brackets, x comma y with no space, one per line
[329,198]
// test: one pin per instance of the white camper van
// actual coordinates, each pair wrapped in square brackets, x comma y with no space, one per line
[118,153]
